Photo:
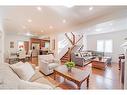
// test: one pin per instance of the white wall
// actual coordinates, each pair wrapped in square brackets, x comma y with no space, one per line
[84,41]
[58,37]
[1,44]
[13,38]
[117,37]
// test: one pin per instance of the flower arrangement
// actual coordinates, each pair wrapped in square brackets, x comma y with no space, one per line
[70,65]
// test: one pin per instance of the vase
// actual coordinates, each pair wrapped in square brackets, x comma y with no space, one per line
[100,58]
[69,69]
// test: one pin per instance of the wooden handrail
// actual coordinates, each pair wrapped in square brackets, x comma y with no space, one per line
[73,43]
[68,38]
[79,39]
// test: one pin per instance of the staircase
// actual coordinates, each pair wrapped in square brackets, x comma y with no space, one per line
[74,47]
[66,57]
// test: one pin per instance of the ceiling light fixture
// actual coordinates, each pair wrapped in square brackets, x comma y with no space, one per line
[29,20]
[90,8]
[39,8]
[42,31]
[64,21]
[28,34]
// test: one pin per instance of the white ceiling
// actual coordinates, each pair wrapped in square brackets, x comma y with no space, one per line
[52,19]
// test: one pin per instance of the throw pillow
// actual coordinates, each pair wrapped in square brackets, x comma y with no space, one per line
[89,53]
[24,71]
[76,54]
[83,54]
[79,54]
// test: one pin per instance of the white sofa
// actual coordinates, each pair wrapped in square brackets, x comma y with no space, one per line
[10,80]
[47,63]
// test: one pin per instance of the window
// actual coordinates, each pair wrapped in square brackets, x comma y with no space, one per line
[108,46]
[104,46]
[20,45]
[47,45]
[100,45]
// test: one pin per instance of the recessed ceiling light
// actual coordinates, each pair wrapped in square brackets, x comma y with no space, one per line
[51,27]
[64,21]
[28,34]
[42,31]
[24,27]
[39,8]
[29,20]
[90,8]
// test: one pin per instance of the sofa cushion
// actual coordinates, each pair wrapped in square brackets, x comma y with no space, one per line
[43,80]
[24,71]
[33,85]
[78,54]
[84,54]
[89,53]
[9,80]
[36,76]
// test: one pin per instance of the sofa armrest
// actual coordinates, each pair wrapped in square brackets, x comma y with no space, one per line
[79,61]
[33,66]
[81,58]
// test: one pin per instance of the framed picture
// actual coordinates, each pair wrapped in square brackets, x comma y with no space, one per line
[11,44]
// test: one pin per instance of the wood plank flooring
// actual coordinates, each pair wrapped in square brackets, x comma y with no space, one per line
[99,79]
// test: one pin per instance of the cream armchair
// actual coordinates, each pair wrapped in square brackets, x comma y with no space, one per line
[47,63]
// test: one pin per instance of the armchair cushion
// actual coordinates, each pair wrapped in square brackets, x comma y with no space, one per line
[56,61]
[52,65]
[47,63]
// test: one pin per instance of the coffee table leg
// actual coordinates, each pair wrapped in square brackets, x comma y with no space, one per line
[54,75]
[88,82]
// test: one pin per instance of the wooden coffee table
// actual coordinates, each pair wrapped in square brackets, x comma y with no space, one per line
[76,75]
[100,64]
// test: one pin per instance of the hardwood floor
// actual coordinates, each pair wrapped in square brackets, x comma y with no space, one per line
[99,79]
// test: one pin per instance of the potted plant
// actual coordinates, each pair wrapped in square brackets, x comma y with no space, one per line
[70,65]
[100,57]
